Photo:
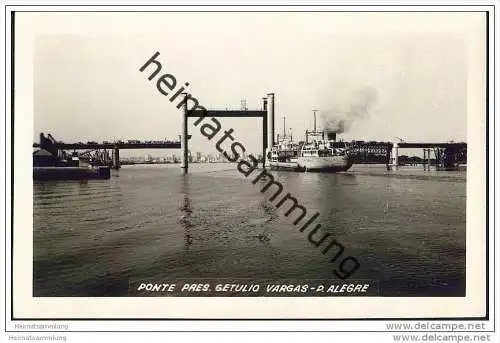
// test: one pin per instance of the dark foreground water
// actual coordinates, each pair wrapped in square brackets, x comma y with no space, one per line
[91,238]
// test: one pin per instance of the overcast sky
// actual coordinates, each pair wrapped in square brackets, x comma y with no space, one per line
[87,84]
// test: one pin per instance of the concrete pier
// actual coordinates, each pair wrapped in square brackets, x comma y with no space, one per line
[424,161]
[429,159]
[395,156]
[116,158]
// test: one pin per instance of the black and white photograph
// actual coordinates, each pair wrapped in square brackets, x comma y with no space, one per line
[319,156]
[224,159]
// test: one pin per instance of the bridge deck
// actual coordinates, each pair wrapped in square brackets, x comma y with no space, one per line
[431,145]
[227,113]
[85,146]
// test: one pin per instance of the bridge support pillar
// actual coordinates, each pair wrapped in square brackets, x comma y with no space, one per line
[395,156]
[450,157]
[270,120]
[428,159]
[184,135]
[388,154]
[116,158]
[425,159]
[264,132]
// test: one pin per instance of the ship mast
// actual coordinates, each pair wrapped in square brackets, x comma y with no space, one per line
[284,126]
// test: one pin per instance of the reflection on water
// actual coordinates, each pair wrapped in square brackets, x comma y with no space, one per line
[186,211]
[91,238]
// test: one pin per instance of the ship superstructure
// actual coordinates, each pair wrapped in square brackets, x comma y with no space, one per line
[320,152]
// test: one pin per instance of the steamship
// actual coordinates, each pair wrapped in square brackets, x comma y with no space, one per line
[318,153]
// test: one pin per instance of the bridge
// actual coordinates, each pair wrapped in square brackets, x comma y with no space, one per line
[115,145]
[446,154]
[98,153]
[460,145]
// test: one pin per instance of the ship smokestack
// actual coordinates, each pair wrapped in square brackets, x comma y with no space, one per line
[332,136]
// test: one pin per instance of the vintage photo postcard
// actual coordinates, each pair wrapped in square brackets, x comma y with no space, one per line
[250,163]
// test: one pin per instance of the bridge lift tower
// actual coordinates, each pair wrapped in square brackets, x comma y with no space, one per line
[267,115]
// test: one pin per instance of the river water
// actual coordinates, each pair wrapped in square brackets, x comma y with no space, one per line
[91,238]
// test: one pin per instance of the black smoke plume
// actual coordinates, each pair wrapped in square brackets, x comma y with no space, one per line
[338,120]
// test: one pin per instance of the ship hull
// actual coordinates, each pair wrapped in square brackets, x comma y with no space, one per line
[330,164]
[292,166]
[285,166]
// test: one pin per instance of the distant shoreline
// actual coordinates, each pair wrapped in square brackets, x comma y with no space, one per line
[124,163]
